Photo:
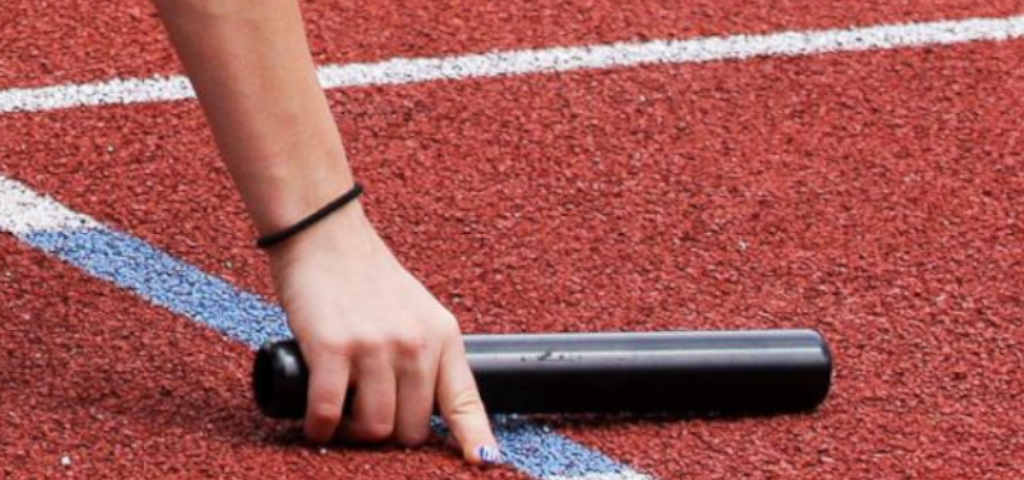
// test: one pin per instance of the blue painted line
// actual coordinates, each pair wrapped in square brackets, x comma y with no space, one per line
[133,264]
[542,453]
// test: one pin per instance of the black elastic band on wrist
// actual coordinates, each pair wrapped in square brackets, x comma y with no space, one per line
[272,239]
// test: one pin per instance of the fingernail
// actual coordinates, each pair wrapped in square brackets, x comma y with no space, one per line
[489,455]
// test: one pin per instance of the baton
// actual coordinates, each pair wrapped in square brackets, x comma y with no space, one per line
[685,372]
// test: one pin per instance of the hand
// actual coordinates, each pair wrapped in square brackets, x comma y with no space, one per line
[363,321]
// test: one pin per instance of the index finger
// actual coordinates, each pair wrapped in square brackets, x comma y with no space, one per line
[461,406]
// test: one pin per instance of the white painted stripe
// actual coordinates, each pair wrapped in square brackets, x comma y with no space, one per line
[136,266]
[23,211]
[559,59]
[110,92]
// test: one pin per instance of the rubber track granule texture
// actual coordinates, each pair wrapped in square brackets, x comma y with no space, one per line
[99,384]
[60,41]
[875,196]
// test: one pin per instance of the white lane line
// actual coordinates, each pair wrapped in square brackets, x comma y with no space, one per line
[134,265]
[23,211]
[560,59]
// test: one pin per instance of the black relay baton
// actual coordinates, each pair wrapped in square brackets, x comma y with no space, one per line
[695,372]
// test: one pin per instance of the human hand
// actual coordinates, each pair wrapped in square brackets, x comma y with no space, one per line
[363,321]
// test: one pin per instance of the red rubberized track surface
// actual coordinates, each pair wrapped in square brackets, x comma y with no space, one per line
[58,41]
[875,196]
[130,391]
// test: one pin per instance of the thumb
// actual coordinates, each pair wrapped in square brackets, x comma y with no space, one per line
[462,409]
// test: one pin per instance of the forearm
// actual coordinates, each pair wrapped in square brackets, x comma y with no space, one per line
[362,320]
[250,64]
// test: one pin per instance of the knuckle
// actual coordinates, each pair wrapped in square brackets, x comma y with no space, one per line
[449,322]
[448,328]
[367,344]
[324,413]
[335,345]
[410,345]
[466,402]
[377,431]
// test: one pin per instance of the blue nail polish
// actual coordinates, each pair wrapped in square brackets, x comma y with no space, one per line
[490,455]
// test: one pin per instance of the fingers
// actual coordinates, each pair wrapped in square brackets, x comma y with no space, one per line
[416,382]
[371,380]
[328,384]
[373,409]
[395,388]
[462,407]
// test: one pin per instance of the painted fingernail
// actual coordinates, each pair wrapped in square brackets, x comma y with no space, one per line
[489,455]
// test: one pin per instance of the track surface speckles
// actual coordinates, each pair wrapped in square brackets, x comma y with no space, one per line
[875,196]
[128,391]
[62,41]
[401,71]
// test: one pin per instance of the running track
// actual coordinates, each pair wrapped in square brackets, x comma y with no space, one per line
[861,175]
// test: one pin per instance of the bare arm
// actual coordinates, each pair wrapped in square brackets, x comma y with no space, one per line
[360,317]
[251,66]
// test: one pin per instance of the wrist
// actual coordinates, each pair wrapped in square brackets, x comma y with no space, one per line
[267,241]
[346,231]
[285,202]
[281,192]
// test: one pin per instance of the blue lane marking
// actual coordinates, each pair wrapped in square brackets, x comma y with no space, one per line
[133,264]
[542,453]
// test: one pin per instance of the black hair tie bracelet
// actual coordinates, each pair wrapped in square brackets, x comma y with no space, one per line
[272,239]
